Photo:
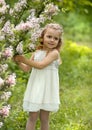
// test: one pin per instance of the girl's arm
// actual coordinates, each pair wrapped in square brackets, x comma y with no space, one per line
[60,60]
[24,66]
[40,64]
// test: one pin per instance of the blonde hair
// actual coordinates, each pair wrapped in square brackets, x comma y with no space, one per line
[53,26]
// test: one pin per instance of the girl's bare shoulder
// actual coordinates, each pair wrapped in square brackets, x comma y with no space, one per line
[54,53]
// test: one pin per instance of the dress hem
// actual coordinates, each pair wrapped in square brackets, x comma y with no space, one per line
[32,107]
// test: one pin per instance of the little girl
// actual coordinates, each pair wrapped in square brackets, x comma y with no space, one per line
[42,93]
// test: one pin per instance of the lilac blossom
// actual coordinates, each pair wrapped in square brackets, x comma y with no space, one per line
[51,10]
[4,112]
[32,13]
[3,7]
[19,48]
[32,47]
[42,18]
[35,35]
[8,52]
[11,80]
[7,29]
[3,67]
[23,26]
[34,22]
[6,95]
[17,7]
[30,24]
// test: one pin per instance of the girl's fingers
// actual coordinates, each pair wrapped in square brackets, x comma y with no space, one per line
[19,58]
[16,58]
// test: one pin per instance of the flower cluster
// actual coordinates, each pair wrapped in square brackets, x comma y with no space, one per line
[4,112]
[11,80]
[3,7]
[3,67]
[17,7]
[8,82]
[8,52]
[6,95]
[51,10]
[18,36]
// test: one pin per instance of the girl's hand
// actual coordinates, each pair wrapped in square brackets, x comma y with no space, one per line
[18,58]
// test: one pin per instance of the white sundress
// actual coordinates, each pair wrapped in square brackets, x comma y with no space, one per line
[42,90]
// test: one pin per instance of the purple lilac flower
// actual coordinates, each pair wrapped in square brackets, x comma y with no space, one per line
[6,95]
[5,111]
[8,52]
[19,48]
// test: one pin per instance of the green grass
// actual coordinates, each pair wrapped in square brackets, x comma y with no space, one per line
[75,111]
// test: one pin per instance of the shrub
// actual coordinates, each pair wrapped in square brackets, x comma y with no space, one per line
[76,67]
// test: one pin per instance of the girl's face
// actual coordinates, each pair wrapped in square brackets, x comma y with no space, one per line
[51,39]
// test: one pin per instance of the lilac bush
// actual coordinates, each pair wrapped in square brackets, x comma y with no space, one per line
[18,38]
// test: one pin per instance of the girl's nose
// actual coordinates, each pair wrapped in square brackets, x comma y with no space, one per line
[52,39]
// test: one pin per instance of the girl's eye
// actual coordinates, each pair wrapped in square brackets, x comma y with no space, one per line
[49,36]
[56,38]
